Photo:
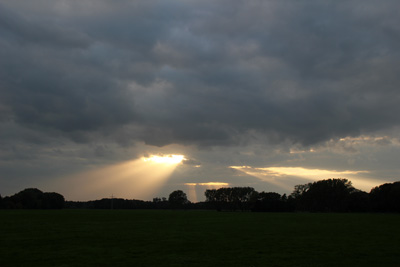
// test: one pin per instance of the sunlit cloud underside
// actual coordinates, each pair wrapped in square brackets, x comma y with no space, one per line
[279,176]
[136,179]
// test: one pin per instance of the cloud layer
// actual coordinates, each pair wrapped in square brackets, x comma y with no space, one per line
[205,73]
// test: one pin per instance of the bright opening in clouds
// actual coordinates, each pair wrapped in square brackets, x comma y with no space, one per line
[165,159]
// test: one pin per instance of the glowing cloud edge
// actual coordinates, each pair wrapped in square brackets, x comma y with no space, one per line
[165,159]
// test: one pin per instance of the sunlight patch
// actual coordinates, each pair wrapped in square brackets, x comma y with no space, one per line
[279,175]
[209,184]
[165,159]
[194,187]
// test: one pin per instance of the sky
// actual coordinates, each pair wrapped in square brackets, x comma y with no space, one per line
[136,99]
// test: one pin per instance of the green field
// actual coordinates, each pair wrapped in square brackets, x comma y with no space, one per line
[196,238]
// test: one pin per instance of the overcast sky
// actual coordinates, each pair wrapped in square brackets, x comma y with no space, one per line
[267,94]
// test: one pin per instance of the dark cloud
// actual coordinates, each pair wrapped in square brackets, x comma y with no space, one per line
[23,31]
[204,73]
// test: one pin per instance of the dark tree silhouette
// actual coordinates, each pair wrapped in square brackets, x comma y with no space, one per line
[231,198]
[33,198]
[213,199]
[331,195]
[386,197]
[52,201]
[178,199]
[30,198]
[271,202]
[160,203]
[359,201]
[105,203]
[300,189]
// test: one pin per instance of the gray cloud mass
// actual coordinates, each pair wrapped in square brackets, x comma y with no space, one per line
[204,73]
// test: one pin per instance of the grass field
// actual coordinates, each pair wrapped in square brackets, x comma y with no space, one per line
[196,238]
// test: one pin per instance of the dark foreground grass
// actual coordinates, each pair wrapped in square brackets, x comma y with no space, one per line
[196,238]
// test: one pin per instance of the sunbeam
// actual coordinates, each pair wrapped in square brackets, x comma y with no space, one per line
[135,179]
[194,188]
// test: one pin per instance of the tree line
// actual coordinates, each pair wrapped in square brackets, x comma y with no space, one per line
[32,198]
[330,195]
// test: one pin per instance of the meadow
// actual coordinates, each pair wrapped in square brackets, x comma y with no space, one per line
[196,238]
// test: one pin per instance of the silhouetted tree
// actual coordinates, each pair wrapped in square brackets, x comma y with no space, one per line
[105,203]
[52,201]
[359,201]
[33,198]
[386,197]
[231,198]
[213,199]
[331,195]
[300,189]
[272,202]
[160,203]
[178,199]
[30,198]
